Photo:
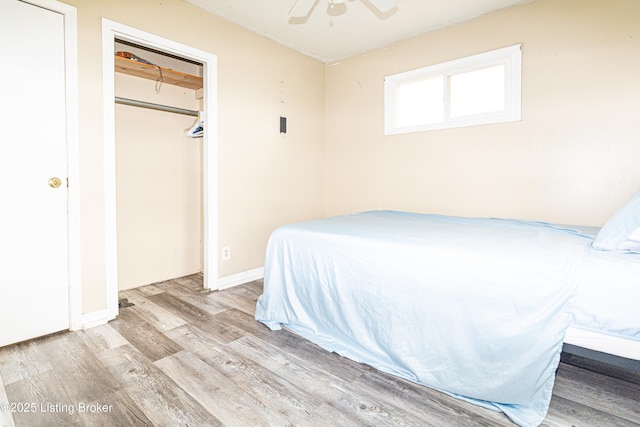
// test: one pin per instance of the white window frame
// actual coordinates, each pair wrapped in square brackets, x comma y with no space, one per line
[510,57]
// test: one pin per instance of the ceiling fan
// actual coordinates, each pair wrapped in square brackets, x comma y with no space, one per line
[302,8]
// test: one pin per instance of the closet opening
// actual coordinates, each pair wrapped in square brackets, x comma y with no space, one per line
[159,165]
[141,177]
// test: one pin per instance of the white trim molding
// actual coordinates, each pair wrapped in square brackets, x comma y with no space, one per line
[73,168]
[95,318]
[240,278]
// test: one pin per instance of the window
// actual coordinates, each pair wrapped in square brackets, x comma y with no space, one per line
[475,90]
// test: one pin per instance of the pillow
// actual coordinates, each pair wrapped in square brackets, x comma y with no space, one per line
[622,231]
[633,242]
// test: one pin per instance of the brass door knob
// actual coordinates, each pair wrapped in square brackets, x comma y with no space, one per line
[55,182]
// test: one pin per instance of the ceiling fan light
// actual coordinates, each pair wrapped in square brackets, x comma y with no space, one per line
[335,2]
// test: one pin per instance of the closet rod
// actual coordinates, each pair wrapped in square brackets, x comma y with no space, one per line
[152,106]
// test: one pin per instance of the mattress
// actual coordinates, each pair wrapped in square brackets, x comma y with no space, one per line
[604,343]
[607,318]
[477,308]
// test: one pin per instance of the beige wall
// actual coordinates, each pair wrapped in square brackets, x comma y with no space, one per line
[265,179]
[572,159]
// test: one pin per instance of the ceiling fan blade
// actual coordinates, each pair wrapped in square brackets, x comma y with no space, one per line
[384,5]
[301,8]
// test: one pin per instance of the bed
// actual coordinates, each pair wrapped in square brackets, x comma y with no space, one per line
[478,308]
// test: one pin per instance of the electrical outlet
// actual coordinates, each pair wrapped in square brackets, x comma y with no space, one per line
[226,253]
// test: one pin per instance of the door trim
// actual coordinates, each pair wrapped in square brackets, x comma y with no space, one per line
[110,31]
[70,17]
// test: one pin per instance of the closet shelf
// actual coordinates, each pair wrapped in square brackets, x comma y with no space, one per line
[147,71]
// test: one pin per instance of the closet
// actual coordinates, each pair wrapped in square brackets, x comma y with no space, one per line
[159,165]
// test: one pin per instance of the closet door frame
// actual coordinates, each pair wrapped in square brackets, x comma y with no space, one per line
[110,31]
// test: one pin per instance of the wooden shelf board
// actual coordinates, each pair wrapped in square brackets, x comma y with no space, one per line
[151,72]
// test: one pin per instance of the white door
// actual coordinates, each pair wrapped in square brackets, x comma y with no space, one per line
[34,287]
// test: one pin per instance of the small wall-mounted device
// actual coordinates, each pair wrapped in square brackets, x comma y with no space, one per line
[283,125]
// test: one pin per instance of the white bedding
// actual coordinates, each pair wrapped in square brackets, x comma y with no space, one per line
[607,318]
[477,308]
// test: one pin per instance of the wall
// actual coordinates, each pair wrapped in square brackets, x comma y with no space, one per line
[572,158]
[265,180]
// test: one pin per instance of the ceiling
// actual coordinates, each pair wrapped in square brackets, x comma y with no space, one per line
[329,36]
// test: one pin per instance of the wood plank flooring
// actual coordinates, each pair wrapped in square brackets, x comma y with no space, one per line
[182,356]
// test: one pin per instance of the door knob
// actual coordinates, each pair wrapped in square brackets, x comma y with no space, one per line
[55,182]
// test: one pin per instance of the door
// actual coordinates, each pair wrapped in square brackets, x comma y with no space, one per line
[34,286]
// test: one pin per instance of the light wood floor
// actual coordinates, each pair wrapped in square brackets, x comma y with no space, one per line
[180,356]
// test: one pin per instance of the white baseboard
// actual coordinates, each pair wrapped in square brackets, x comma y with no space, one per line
[95,318]
[240,278]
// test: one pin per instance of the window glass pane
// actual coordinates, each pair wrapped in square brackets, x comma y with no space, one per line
[477,92]
[421,102]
